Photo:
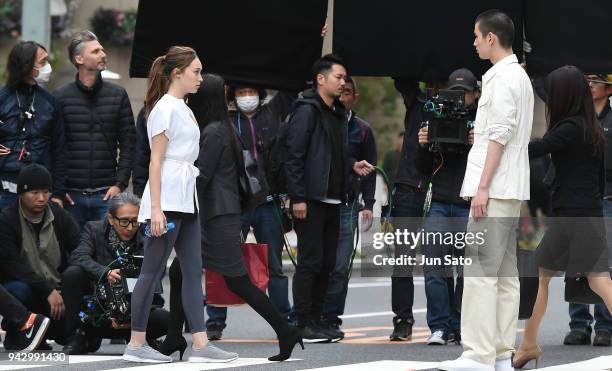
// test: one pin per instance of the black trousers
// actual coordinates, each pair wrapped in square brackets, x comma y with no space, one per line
[13,312]
[317,244]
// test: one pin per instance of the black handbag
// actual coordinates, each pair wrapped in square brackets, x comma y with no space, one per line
[250,187]
[577,290]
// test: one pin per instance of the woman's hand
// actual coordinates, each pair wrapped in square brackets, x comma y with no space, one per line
[158,222]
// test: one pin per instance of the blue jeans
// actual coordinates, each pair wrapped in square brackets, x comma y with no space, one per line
[337,288]
[21,291]
[442,292]
[87,207]
[7,199]
[266,223]
[580,316]
[405,205]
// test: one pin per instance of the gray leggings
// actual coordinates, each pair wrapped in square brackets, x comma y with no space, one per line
[185,238]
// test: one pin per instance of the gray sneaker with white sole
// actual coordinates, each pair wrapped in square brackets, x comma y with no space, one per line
[211,354]
[145,354]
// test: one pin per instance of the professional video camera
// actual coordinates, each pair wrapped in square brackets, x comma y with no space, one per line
[448,121]
[113,300]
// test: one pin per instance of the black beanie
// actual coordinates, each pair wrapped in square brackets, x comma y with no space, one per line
[33,177]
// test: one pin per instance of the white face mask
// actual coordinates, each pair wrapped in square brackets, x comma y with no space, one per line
[43,74]
[248,104]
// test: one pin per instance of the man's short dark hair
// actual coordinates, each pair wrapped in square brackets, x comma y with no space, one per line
[324,65]
[499,24]
[76,44]
[351,80]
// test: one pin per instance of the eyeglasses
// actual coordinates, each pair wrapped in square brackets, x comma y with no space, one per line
[125,222]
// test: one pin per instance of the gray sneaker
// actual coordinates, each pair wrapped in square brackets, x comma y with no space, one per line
[144,354]
[211,354]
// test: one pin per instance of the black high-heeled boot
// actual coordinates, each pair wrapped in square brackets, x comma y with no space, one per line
[171,345]
[286,344]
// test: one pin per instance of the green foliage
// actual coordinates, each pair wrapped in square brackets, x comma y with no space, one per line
[381,105]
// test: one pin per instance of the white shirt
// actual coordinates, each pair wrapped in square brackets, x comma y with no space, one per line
[174,119]
[505,115]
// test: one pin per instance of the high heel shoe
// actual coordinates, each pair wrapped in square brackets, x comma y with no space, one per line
[170,346]
[523,358]
[286,344]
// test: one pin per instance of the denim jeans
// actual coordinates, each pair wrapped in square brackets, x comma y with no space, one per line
[405,205]
[337,289]
[7,198]
[267,229]
[87,207]
[580,316]
[442,292]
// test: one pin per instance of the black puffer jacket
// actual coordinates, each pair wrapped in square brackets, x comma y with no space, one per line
[98,121]
[43,134]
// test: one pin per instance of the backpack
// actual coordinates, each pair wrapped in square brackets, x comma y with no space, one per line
[275,156]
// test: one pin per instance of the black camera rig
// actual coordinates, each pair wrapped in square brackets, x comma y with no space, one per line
[113,300]
[448,121]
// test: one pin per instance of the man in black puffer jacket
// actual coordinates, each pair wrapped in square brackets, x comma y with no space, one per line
[99,132]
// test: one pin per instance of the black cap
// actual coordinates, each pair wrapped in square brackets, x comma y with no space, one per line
[462,78]
[33,177]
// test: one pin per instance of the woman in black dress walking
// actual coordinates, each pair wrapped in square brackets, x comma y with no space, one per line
[217,185]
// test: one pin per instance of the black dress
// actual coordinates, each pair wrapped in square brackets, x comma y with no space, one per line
[219,199]
[575,241]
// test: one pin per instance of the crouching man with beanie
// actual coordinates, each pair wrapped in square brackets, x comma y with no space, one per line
[37,238]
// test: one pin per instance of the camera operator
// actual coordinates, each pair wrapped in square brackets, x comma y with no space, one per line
[101,243]
[447,213]
[32,126]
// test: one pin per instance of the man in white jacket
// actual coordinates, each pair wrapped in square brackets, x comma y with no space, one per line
[496,181]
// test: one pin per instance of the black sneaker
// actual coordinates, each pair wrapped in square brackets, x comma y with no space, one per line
[76,344]
[44,346]
[215,331]
[29,339]
[453,338]
[332,331]
[602,339]
[313,334]
[577,337]
[93,344]
[402,329]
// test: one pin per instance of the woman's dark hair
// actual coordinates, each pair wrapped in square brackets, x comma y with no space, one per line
[208,105]
[569,95]
[179,57]
[231,92]
[21,62]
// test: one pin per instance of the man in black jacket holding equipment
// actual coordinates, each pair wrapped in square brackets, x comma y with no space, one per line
[317,169]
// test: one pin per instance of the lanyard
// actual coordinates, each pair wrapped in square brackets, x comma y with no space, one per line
[253,134]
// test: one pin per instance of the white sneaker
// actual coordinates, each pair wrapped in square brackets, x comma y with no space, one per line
[504,365]
[437,338]
[464,364]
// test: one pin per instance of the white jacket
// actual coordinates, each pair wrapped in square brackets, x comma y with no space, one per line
[505,115]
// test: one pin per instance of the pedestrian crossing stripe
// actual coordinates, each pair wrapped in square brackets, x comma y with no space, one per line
[71,360]
[596,364]
[188,366]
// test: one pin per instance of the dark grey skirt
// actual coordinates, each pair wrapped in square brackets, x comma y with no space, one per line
[221,251]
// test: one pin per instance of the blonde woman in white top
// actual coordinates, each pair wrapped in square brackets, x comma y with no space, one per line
[170,196]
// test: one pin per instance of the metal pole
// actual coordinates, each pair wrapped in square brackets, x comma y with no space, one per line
[327,41]
[36,22]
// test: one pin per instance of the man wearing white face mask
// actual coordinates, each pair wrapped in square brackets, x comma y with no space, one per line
[257,124]
[32,129]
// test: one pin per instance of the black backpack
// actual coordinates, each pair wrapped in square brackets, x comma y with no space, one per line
[275,156]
